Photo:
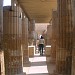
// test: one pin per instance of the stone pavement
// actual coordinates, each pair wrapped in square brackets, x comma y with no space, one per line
[39,65]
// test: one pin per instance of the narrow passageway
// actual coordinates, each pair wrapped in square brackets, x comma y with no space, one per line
[39,66]
[23,22]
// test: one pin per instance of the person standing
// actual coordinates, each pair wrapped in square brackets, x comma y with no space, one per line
[41,45]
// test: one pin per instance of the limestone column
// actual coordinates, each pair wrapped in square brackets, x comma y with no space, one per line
[31,31]
[25,40]
[49,34]
[65,37]
[1,22]
[54,35]
[12,40]
[73,51]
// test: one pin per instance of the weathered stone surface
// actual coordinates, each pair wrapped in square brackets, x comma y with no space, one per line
[64,51]
[1,22]
[31,50]
[73,51]
[12,36]
[49,35]
[31,32]
[1,37]
[25,40]
[54,34]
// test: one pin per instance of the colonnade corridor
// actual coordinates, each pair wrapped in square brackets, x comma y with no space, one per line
[22,22]
[40,65]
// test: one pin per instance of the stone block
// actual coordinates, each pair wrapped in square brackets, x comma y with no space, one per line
[31,50]
[48,50]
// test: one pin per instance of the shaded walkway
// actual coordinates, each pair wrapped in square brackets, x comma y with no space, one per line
[39,66]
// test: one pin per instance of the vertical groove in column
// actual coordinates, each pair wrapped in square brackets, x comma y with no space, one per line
[25,40]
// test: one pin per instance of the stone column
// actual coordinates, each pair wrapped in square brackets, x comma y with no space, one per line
[73,51]
[1,22]
[65,37]
[31,31]
[12,40]
[54,35]
[25,40]
[49,34]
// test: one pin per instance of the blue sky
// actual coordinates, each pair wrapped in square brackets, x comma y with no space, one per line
[6,2]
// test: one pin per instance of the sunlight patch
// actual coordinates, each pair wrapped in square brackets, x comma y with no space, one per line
[38,69]
[37,59]
[26,70]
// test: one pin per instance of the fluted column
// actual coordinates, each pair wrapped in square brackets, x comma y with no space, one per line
[49,35]
[25,40]
[1,22]
[65,37]
[54,35]
[73,51]
[31,31]
[12,40]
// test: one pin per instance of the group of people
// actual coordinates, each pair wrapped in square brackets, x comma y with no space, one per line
[41,45]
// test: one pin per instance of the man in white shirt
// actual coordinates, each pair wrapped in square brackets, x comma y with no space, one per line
[41,45]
